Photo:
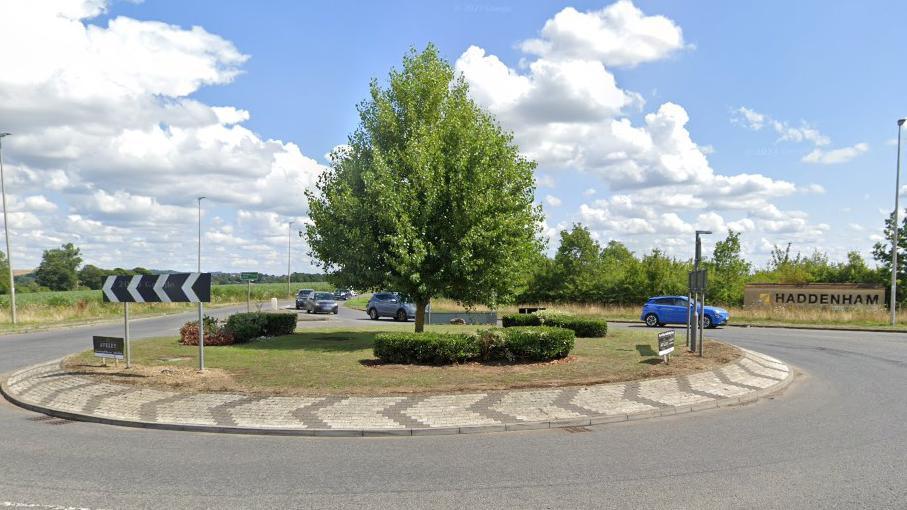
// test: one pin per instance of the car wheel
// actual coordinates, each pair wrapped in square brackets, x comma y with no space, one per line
[706,322]
[651,320]
[373,314]
[401,315]
[336,311]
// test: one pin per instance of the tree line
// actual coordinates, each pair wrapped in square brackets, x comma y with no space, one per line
[583,271]
[60,271]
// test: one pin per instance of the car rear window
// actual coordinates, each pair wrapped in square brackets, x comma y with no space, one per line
[324,296]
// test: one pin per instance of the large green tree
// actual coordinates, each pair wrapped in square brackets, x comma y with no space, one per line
[730,271]
[58,268]
[431,198]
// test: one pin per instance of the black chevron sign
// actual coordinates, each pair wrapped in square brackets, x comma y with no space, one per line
[162,288]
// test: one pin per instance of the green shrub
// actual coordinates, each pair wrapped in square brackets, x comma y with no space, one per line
[493,345]
[584,327]
[539,343]
[529,343]
[426,348]
[247,326]
[279,324]
[521,319]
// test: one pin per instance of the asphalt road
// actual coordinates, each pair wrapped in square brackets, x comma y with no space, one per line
[836,438]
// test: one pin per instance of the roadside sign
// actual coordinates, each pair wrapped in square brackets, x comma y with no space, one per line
[161,288]
[698,280]
[248,277]
[665,343]
[109,347]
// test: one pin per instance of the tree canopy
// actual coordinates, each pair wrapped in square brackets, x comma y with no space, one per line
[430,198]
[58,268]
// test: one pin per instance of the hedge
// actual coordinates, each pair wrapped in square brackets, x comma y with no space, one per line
[539,343]
[247,326]
[512,344]
[584,327]
[426,348]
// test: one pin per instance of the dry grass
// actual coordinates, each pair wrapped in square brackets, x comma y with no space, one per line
[856,316]
[331,361]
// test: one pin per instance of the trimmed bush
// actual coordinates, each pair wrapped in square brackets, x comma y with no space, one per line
[584,327]
[521,319]
[528,343]
[539,343]
[248,326]
[279,324]
[426,348]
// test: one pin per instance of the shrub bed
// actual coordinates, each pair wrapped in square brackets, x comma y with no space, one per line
[513,344]
[247,326]
[539,343]
[215,333]
[584,327]
[426,348]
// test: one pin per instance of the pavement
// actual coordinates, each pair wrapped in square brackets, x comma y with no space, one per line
[48,388]
[835,439]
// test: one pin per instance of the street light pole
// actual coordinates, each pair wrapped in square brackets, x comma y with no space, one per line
[201,313]
[289,250]
[9,255]
[894,235]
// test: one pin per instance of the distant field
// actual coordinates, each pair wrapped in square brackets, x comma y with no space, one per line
[56,308]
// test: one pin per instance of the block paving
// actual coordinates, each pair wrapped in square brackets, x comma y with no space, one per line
[50,389]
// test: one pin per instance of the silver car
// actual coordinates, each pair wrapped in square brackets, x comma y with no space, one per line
[390,304]
[322,302]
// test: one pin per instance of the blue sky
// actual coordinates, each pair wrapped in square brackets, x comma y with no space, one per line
[809,160]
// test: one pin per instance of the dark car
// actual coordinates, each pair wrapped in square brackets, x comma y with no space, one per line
[321,302]
[342,294]
[302,296]
[662,310]
[390,304]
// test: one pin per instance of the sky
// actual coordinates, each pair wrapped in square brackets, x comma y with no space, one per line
[648,119]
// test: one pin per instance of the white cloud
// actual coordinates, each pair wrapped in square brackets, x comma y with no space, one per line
[568,112]
[589,192]
[105,119]
[835,156]
[545,181]
[552,201]
[803,133]
[618,35]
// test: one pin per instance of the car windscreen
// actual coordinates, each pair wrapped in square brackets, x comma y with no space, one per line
[323,296]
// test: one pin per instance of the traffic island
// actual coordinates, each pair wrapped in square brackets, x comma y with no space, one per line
[67,392]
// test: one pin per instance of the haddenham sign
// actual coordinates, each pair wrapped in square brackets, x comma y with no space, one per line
[813,294]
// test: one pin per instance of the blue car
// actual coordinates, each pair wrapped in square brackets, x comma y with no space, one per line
[662,310]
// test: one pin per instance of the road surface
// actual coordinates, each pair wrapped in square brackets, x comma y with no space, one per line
[836,438]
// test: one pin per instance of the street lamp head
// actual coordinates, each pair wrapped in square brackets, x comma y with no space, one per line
[900,123]
[698,232]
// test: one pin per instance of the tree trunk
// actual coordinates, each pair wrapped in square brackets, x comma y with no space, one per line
[420,315]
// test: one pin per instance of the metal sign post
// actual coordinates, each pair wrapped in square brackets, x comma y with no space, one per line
[248,278]
[163,288]
[126,335]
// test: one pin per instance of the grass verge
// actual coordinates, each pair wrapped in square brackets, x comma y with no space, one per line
[332,361]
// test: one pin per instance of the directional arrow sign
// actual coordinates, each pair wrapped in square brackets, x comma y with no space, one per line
[164,288]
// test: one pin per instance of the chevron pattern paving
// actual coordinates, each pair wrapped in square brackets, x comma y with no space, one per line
[49,388]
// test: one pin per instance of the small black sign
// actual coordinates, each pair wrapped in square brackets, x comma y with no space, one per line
[666,342]
[108,347]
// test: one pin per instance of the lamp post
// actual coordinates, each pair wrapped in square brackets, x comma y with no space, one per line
[9,255]
[289,250]
[894,235]
[201,316]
